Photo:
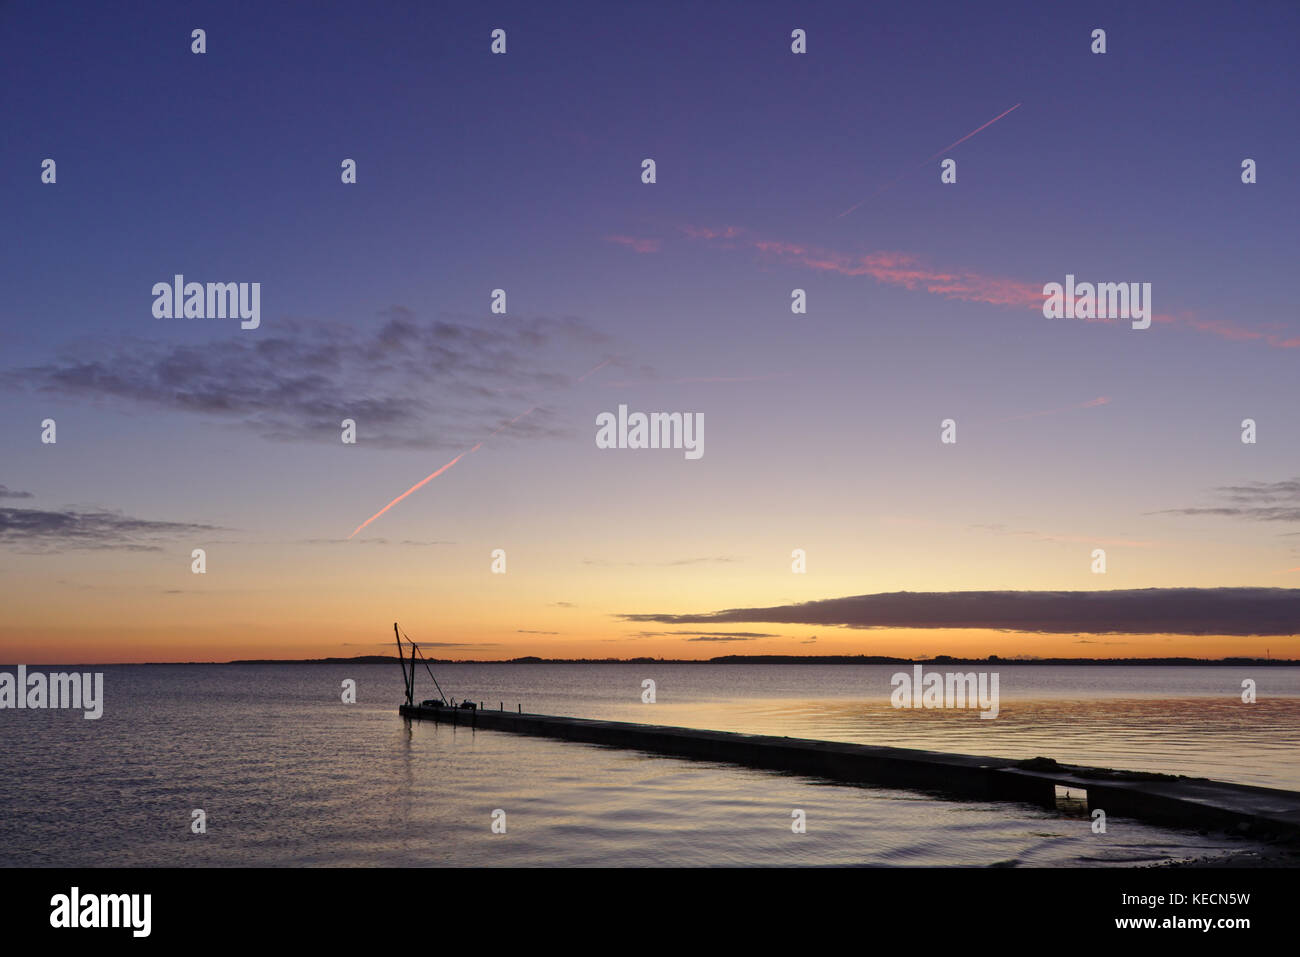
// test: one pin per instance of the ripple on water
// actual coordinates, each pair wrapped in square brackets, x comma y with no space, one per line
[289,776]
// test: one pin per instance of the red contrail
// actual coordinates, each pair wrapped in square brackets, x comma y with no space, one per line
[419,484]
[597,369]
[506,426]
[1090,404]
[932,156]
[429,478]
[971,133]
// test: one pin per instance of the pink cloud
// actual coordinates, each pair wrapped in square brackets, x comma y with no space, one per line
[1229,329]
[635,243]
[705,232]
[624,383]
[908,271]
[1087,540]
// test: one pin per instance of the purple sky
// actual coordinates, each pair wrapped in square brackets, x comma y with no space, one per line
[523,172]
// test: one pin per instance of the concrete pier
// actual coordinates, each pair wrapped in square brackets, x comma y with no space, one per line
[1162,799]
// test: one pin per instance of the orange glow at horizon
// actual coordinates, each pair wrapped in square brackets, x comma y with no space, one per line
[79,644]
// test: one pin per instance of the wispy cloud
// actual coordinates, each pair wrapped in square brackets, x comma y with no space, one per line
[439,644]
[1287,490]
[636,243]
[720,559]
[998,528]
[905,270]
[1257,501]
[1273,334]
[408,383]
[769,377]
[406,542]
[707,232]
[1260,514]
[42,530]
[910,271]
[711,634]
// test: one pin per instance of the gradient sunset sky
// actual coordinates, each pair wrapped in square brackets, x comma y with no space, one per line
[523,172]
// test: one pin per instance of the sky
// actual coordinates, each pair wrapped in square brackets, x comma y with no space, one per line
[522,171]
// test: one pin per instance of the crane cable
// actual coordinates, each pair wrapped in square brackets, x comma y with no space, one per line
[426,663]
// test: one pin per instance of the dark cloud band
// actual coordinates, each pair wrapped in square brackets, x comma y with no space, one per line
[1180,611]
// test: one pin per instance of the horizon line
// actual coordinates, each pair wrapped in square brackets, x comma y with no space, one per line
[716,659]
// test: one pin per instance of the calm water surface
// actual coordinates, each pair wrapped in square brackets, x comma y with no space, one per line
[288,775]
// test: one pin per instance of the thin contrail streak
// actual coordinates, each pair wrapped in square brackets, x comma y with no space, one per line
[417,485]
[506,426]
[478,445]
[930,157]
[597,369]
[429,478]
[971,133]
[1090,404]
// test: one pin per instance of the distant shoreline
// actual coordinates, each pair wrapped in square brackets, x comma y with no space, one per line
[940,660]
